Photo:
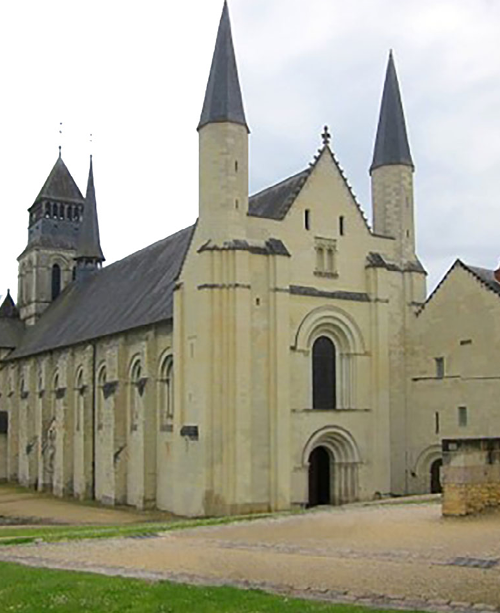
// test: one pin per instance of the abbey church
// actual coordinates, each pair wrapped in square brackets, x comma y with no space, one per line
[277,354]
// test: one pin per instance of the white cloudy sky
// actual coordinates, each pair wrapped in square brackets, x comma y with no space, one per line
[134,75]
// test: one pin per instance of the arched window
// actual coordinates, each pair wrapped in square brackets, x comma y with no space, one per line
[56,281]
[135,394]
[324,379]
[101,382]
[166,392]
[79,400]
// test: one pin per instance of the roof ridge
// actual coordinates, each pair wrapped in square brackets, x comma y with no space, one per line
[147,247]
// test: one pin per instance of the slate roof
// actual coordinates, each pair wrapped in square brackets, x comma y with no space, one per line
[88,244]
[391,143]
[134,292]
[60,185]
[11,332]
[274,202]
[11,328]
[377,260]
[8,307]
[223,100]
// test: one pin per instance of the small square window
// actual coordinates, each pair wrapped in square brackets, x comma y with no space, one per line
[462,417]
[439,367]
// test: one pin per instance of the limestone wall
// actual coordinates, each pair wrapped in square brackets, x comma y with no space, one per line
[82,425]
[471,475]
[461,400]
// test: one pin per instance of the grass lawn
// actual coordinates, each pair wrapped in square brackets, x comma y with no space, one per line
[34,590]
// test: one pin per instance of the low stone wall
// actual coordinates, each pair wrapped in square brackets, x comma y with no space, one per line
[471,475]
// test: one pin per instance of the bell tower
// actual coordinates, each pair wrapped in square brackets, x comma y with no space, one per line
[46,265]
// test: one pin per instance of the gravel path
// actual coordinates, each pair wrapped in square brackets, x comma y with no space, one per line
[402,555]
[19,506]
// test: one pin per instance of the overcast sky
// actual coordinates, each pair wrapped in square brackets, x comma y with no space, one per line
[134,74]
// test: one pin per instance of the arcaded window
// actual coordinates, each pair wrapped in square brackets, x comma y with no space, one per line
[326,250]
[324,379]
[56,281]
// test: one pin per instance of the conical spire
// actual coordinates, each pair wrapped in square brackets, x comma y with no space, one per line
[8,307]
[391,143]
[223,101]
[88,244]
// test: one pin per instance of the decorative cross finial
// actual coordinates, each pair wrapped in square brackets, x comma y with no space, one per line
[60,137]
[91,141]
[326,136]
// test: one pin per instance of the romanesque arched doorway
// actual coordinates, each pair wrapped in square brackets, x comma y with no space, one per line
[435,473]
[332,460]
[319,477]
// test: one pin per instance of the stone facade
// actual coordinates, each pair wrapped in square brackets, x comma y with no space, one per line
[471,475]
[296,365]
[453,374]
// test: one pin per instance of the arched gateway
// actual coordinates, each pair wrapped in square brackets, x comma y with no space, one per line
[332,458]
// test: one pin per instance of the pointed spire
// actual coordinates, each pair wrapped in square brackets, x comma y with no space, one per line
[391,143]
[88,244]
[60,185]
[223,101]
[8,307]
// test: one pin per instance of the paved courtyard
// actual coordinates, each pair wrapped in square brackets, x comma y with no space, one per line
[400,551]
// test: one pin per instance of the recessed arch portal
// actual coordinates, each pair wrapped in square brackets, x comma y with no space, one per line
[332,459]
[428,469]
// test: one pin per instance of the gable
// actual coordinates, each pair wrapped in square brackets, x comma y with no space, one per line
[459,277]
[275,201]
